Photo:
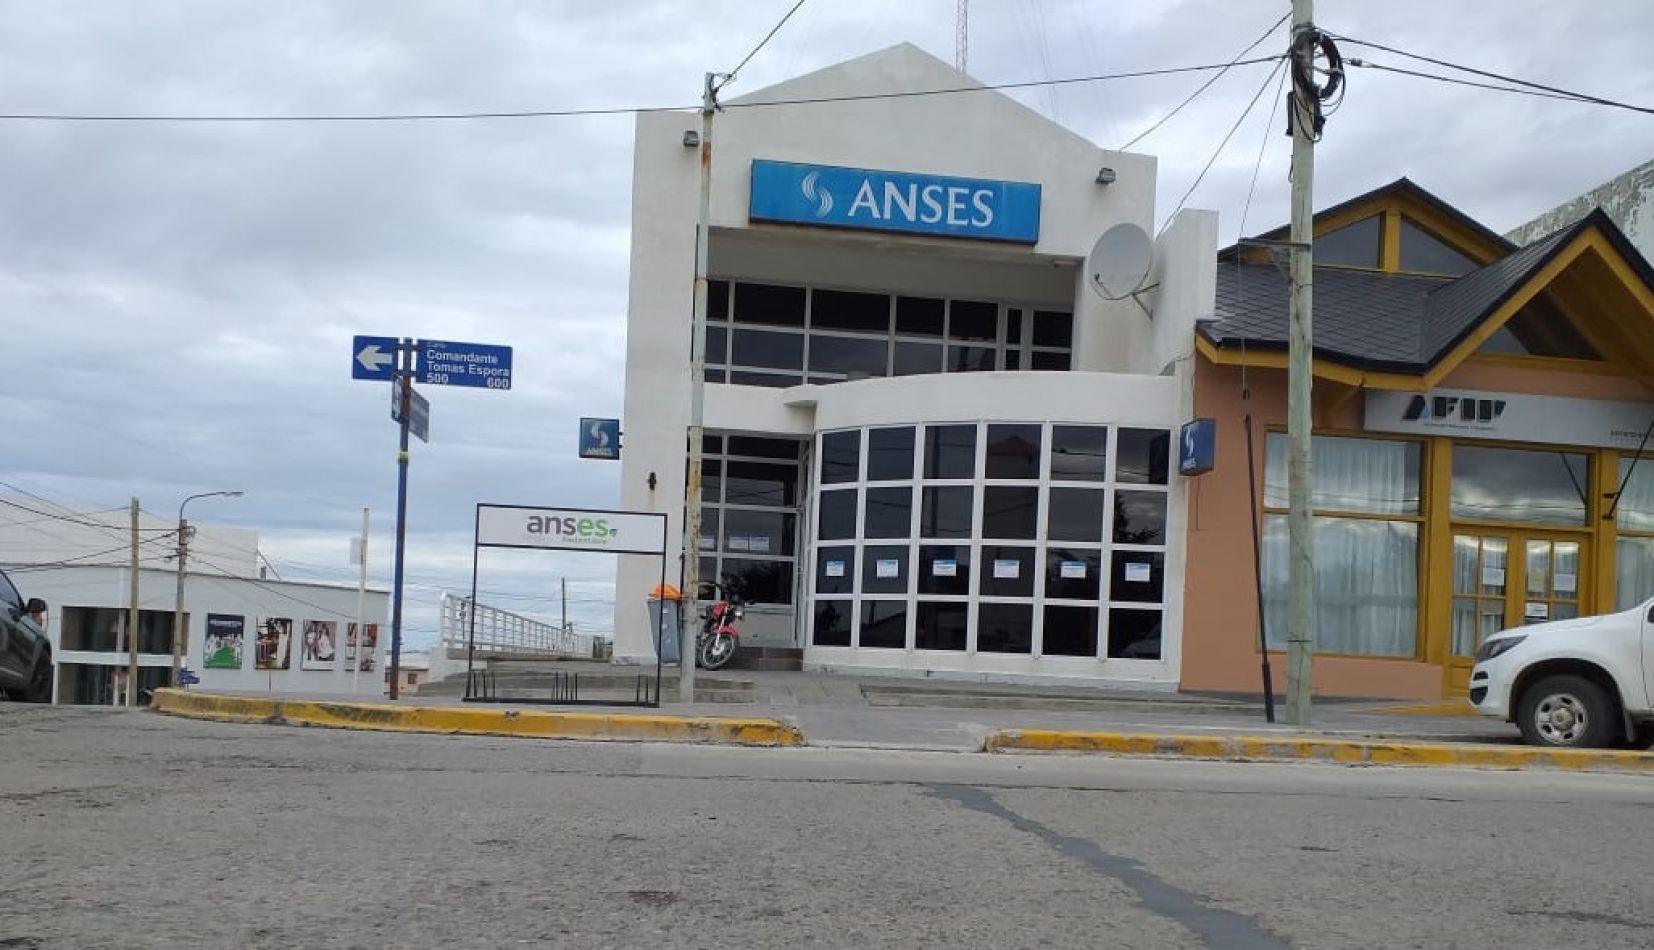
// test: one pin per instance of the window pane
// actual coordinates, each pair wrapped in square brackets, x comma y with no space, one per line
[1006,572]
[919,316]
[1139,517]
[832,624]
[769,304]
[717,345]
[1354,245]
[848,310]
[913,359]
[1010,513]
[759,483]
[884,569]
[1053,329]
[1013,358]
[713,375]
[764,448]
[1070,630]
[884,624]
[758,532]
[1366,585]
[1076,514]
[889,513]
[1046,360]
[1138,577]
[1367,475]
[945,569]
[709,529]
[855,357]
[950,451]
[1145,456]
[945,512]
[1079,453]
[836,515]
[1423,253]
[972,359]
[1636,504]
[973,320]
[1540,329]
[717,300]
[1634,572]
[1013,451]
[762,582]
[940,626]
[1519,485]
[835,570]
[841,457]
[1072,574]
[1133,634]
[711,479]
[1005,628]
[772,380]
[889,454]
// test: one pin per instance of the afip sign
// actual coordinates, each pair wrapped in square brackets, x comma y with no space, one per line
[600,438]
[571,529]
[873,200]
[1197,447]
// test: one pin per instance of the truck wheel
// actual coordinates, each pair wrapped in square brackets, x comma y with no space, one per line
[39,689]
[1568,712]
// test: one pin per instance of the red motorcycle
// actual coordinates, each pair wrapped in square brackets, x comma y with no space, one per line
[718,638]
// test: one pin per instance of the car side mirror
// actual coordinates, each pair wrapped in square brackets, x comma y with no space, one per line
[35,606]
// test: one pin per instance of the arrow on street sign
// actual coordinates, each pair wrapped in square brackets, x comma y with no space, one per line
[373,357]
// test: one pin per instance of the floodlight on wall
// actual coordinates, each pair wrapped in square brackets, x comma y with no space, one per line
[691,139]
[1105,176]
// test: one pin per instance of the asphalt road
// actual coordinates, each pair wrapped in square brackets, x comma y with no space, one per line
[126,829]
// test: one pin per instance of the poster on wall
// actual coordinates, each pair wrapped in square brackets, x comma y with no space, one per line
[225,634]
[370,647]
[274,643]
[320,639]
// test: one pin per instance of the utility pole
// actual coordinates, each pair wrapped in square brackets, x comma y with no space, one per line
[180,631]
[132,617]
[361,607]
[1304,114]
[563,582]
[404,379]
[697,412]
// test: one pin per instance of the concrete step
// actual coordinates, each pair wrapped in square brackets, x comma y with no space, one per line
[783,659]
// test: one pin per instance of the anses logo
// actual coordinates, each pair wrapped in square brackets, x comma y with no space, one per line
[570,528]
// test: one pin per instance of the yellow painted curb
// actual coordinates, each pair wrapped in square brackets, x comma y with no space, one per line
[1299,749]
[1462,708]
[479,721]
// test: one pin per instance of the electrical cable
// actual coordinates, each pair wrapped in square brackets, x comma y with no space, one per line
[1419,74]
[730,76]
[1207,84]
[70,519]
[1221,145]
[1551,91]
[620,110]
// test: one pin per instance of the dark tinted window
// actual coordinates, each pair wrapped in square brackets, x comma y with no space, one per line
[889,513]
[1070,630]
[852,356]
[1073,574]
[836,515]
[1144,456]
[940,626]
[945,569]
[717,344]
[765,582]
[1006,571]
[1133,634]
[767,303]
[1079,453]
[832,623]
[1493,484]
[1013,451]
[1051,361]
[1138,576]
[1076,514]
[758,532]
[712,479]
[884,624]
[717,300]
[889,454]
[973,320]
[1009,512]
[835,570]
[840,457]
[1540,329]
[1354,245]
[884,569]
[1139,517]
[1053,329]
[1005,628]
[1424,253]
[972,359]
[847,310]
[914,359]
[950,451]
[945,511]
[919,316]
[763,448]
[758,483]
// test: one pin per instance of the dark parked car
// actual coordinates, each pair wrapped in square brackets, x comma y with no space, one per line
[25,653]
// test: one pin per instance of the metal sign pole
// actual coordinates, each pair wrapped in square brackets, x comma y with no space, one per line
[471,608]
[404,374]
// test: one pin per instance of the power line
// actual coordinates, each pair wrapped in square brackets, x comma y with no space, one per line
[1554,92]
[619,110]
[71,519]
[1453,80]
[1208,83]
[767,37]
[1221,145]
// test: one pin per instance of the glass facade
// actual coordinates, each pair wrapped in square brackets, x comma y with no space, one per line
[775,335]
[1008,538]
[1634,550]
[750,507]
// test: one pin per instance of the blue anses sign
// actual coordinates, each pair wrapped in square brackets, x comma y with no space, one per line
[599,438]
[1197,447]
[868,199]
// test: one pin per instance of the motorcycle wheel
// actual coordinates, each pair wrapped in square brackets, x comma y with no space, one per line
[717,651]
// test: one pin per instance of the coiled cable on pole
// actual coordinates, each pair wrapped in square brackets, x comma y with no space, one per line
[1317,79]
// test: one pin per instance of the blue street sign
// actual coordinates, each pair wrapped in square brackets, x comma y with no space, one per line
[463,364]
[868,199]
[188,677]
[1197,447]
[600,438]
[373,357]
[420,425]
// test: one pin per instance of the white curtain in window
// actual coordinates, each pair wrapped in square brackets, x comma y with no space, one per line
[1377,476]
[1634,572]
[1366,585]
[1635,511]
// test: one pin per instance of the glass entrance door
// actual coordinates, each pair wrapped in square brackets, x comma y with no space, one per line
[1504,579]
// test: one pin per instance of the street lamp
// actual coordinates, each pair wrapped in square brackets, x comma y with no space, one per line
[183,552]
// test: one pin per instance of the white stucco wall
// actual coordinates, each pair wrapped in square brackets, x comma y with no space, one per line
[1628,200]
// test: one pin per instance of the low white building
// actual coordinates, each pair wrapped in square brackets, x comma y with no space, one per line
[244,631]
[931,448]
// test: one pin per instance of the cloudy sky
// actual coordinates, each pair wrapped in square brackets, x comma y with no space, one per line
[179,299]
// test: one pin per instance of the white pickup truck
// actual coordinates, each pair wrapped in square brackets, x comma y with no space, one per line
[1583,683]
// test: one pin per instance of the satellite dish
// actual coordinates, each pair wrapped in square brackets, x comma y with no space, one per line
[1119,262]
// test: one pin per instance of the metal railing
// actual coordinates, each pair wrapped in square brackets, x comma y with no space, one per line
[501,632]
